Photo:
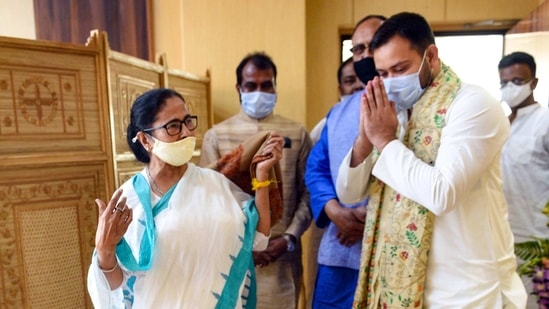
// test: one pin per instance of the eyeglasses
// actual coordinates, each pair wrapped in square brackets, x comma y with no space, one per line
[517,81]
[358,49]
[174,127]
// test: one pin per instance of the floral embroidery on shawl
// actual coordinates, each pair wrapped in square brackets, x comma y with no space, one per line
[395,250]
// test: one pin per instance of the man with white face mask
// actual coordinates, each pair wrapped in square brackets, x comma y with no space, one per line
[525,156]
[436,233]
[278,268]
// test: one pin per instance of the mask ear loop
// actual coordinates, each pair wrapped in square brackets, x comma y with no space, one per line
[134,140]
[431,78]
[422,61]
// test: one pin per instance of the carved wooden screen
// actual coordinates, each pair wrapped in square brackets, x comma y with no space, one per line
[55,160]
[128,78]
[63,115]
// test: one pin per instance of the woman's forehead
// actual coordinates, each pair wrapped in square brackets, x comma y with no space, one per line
[174,107]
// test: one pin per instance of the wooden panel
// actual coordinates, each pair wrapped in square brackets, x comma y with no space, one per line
[127,82]
[63,115]
[55,160]
[47,222]
[129,77]
[49,102]
[196,91]
[538,20]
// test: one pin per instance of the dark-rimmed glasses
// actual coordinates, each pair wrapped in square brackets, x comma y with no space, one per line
[358,49]
[174,127]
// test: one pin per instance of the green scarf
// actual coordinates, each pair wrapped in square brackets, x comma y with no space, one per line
[398,231]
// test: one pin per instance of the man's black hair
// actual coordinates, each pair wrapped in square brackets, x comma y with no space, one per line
[143,113]
[260,60]
[410,26]
[518,58]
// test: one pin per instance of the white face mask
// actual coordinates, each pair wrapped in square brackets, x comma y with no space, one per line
[258,104]
[513,95]
[405,90]
[176,153]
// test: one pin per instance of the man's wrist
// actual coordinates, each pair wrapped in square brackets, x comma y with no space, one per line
[290,242]
[381,145]
[331,207]
[362,147]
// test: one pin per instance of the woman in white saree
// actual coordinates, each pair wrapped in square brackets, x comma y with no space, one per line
[176,235]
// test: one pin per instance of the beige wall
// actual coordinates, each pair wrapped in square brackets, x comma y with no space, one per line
[324,19]
[216,35]
[17,19]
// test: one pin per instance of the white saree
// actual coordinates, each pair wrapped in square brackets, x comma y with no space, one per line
[201,247]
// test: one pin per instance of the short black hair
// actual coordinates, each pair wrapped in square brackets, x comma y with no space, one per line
[366,18]
[410,26]
[340,69]
[518,58]
[260,60]
[142,115]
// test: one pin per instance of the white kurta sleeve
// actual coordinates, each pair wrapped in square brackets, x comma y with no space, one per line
[472,139]
[351,184]
[261,241]
[100,292]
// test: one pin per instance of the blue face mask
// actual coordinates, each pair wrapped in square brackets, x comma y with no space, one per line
[405,90]
[258,104]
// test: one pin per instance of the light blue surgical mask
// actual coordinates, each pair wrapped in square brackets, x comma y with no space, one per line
[258,104]
[405,90]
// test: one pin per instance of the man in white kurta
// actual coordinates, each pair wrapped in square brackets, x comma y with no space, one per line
[471,263]
[525,166]
[471,254]
[525,156]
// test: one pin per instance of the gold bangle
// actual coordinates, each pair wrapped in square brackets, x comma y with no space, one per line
[108,270]
[260,184]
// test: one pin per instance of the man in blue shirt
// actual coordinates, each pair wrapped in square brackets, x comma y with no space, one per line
[340,247]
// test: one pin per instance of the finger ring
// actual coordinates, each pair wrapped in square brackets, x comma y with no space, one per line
[120,209]
[115,209]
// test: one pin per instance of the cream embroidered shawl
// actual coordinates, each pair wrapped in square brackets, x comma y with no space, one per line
[398,231]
